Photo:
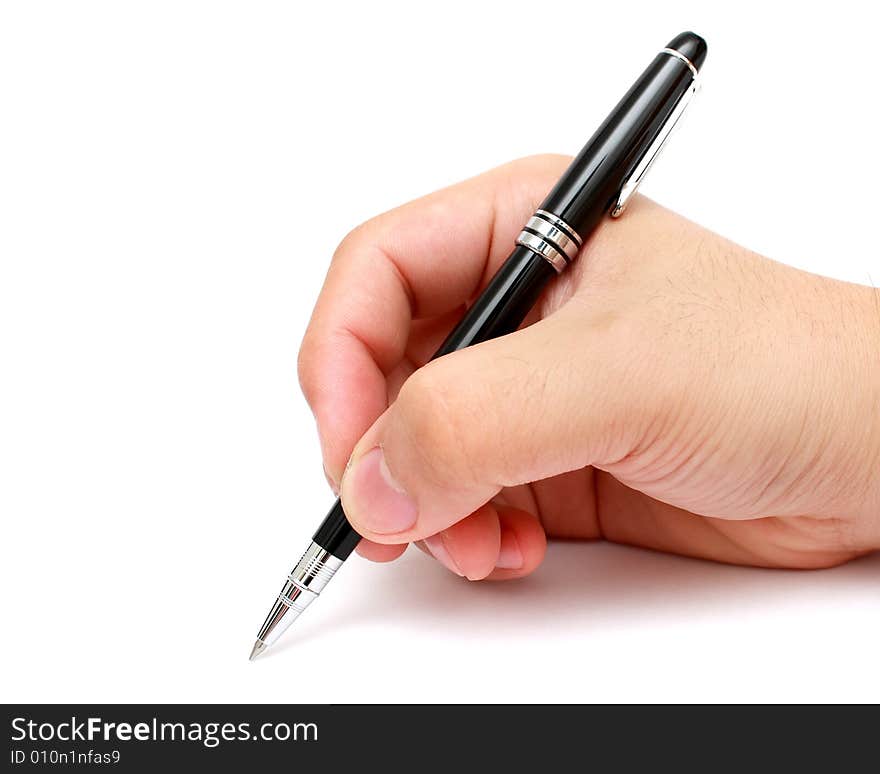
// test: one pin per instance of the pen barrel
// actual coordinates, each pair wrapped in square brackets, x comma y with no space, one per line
[504,303]
[588,188]
[336,534]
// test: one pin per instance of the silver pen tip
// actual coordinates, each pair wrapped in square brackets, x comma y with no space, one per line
[259,647]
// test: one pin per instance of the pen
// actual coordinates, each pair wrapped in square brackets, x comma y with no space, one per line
[601,179]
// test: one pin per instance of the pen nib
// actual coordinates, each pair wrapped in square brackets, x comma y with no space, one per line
[259,647]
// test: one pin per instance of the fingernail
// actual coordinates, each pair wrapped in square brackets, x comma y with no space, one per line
[380,504]
[436,546]
[509,557]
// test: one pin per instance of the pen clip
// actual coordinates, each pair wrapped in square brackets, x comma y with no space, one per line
[632,182]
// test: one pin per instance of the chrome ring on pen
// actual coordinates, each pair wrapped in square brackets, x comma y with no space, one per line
[550,237]
[679,55]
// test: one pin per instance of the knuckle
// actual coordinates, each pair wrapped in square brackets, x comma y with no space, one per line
[431,416]
[355,239]
[424,409]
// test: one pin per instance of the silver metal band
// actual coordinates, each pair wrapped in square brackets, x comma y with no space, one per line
[550,237]
[679,55]
[315,569]
[296,598]
[544,249]
[560,239]
[560,223]
[311,574]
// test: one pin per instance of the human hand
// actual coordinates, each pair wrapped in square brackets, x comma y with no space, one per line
[671,390]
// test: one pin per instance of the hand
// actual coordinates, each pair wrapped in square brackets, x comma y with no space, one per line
[671,390]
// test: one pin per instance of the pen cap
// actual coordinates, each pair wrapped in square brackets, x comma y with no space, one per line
[691,46]
[612,163]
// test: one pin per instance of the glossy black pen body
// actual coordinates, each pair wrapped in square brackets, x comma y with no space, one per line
[599,181]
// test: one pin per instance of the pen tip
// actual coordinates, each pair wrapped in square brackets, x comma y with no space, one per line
[259,647]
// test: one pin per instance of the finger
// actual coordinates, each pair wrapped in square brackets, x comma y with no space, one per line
[523,545]
[470,547]
[425,337]
[379,552]
[422,259]
[545,400]
[495,542]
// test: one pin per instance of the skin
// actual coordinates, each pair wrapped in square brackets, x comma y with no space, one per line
[671,390]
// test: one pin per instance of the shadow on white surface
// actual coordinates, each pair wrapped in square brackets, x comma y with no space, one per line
[580,587]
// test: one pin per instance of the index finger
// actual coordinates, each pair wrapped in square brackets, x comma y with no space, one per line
[423,259]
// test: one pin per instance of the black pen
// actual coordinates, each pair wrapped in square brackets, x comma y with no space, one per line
[600,180]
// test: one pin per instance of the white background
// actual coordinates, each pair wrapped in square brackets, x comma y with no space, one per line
[174,177]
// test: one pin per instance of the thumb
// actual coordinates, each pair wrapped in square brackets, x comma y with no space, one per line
[536,403]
